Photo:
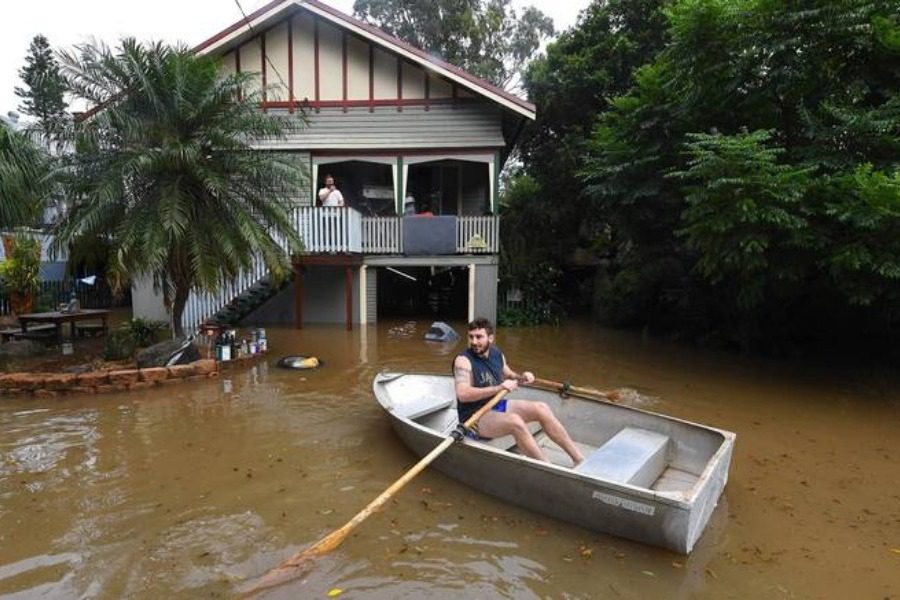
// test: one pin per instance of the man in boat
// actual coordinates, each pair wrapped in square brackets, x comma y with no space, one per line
[479,373]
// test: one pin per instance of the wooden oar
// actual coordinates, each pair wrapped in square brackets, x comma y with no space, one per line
[565,388]
[288,569]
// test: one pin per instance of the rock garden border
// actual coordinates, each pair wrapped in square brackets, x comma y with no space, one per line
[54,385]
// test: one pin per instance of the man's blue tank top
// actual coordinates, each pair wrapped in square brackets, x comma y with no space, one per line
[486,372]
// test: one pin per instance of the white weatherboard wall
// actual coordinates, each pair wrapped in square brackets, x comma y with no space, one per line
[147,303]
[442,126]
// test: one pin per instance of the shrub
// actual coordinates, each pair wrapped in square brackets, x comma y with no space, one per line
[120,345]
[144,331]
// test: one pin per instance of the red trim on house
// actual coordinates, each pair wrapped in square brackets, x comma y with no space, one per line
[290,45]
[359,103]
[477,81]
[237,66]
[344,68]
[404,151]
[331,260]
[239,25]
[374,31]
[399,84]
[316,56]
[371,78]
[263,71]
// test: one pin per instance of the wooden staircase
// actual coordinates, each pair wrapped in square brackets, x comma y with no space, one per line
[247,301]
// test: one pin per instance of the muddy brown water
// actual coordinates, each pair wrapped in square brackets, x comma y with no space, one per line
[193,490]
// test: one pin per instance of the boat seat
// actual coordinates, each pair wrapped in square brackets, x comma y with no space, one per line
[633,456]
[423,406]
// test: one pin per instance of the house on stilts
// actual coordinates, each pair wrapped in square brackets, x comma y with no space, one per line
[390,123]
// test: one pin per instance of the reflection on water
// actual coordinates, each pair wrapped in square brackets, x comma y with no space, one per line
[194,489]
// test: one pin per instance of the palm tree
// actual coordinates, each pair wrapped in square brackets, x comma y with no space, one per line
[164,167]
[23,178]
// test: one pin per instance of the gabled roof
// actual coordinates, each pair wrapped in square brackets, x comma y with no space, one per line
[277,9]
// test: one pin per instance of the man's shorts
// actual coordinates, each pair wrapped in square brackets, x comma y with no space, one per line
[473,432]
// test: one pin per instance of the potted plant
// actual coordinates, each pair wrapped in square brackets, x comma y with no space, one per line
[21,273]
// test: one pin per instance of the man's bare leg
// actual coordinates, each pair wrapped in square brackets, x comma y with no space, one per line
[538,411]
[497,424]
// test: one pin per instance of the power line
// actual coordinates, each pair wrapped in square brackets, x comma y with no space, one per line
[262,50]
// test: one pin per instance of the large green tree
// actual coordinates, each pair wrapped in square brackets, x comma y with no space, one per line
[164,167]
[42,97]
[23,178]
[488,38]
[749,178]
[571,85]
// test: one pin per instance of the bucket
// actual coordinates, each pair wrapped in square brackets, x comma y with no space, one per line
[67,348]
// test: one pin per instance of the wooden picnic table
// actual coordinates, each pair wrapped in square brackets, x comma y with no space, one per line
[60,318]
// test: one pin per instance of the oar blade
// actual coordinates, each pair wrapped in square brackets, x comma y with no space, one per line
[294,567]
[291,568]
[274,578]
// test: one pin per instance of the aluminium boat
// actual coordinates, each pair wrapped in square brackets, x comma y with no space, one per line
[646,477]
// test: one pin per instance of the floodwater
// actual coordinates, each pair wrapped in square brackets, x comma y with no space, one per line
[193,490]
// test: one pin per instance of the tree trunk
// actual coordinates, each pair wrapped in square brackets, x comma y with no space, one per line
[182,292]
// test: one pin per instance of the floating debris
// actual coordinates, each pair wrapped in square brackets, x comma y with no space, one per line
[405,330]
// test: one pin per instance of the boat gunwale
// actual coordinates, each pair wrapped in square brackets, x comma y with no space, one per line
[680,499]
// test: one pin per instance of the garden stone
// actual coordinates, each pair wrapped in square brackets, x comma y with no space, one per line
[158,354]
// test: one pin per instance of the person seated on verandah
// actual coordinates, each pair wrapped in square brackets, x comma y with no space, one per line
[479,373]
[425,210]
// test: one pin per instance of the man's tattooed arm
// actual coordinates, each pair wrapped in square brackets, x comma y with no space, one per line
[462,375]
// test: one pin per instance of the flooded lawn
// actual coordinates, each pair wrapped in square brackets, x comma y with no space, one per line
[192,490]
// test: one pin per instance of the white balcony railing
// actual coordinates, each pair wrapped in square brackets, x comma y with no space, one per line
[328,230]
[478,235]
[474,235]
[382,235]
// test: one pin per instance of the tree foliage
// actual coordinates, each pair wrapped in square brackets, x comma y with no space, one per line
[23,178]
[759,152]
[164,167]
[488,38]
[571,85]
[743,216]
[731,164]
[42,97]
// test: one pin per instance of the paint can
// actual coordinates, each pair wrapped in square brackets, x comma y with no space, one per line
[261,343]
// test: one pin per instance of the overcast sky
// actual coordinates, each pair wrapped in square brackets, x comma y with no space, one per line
[68,22]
